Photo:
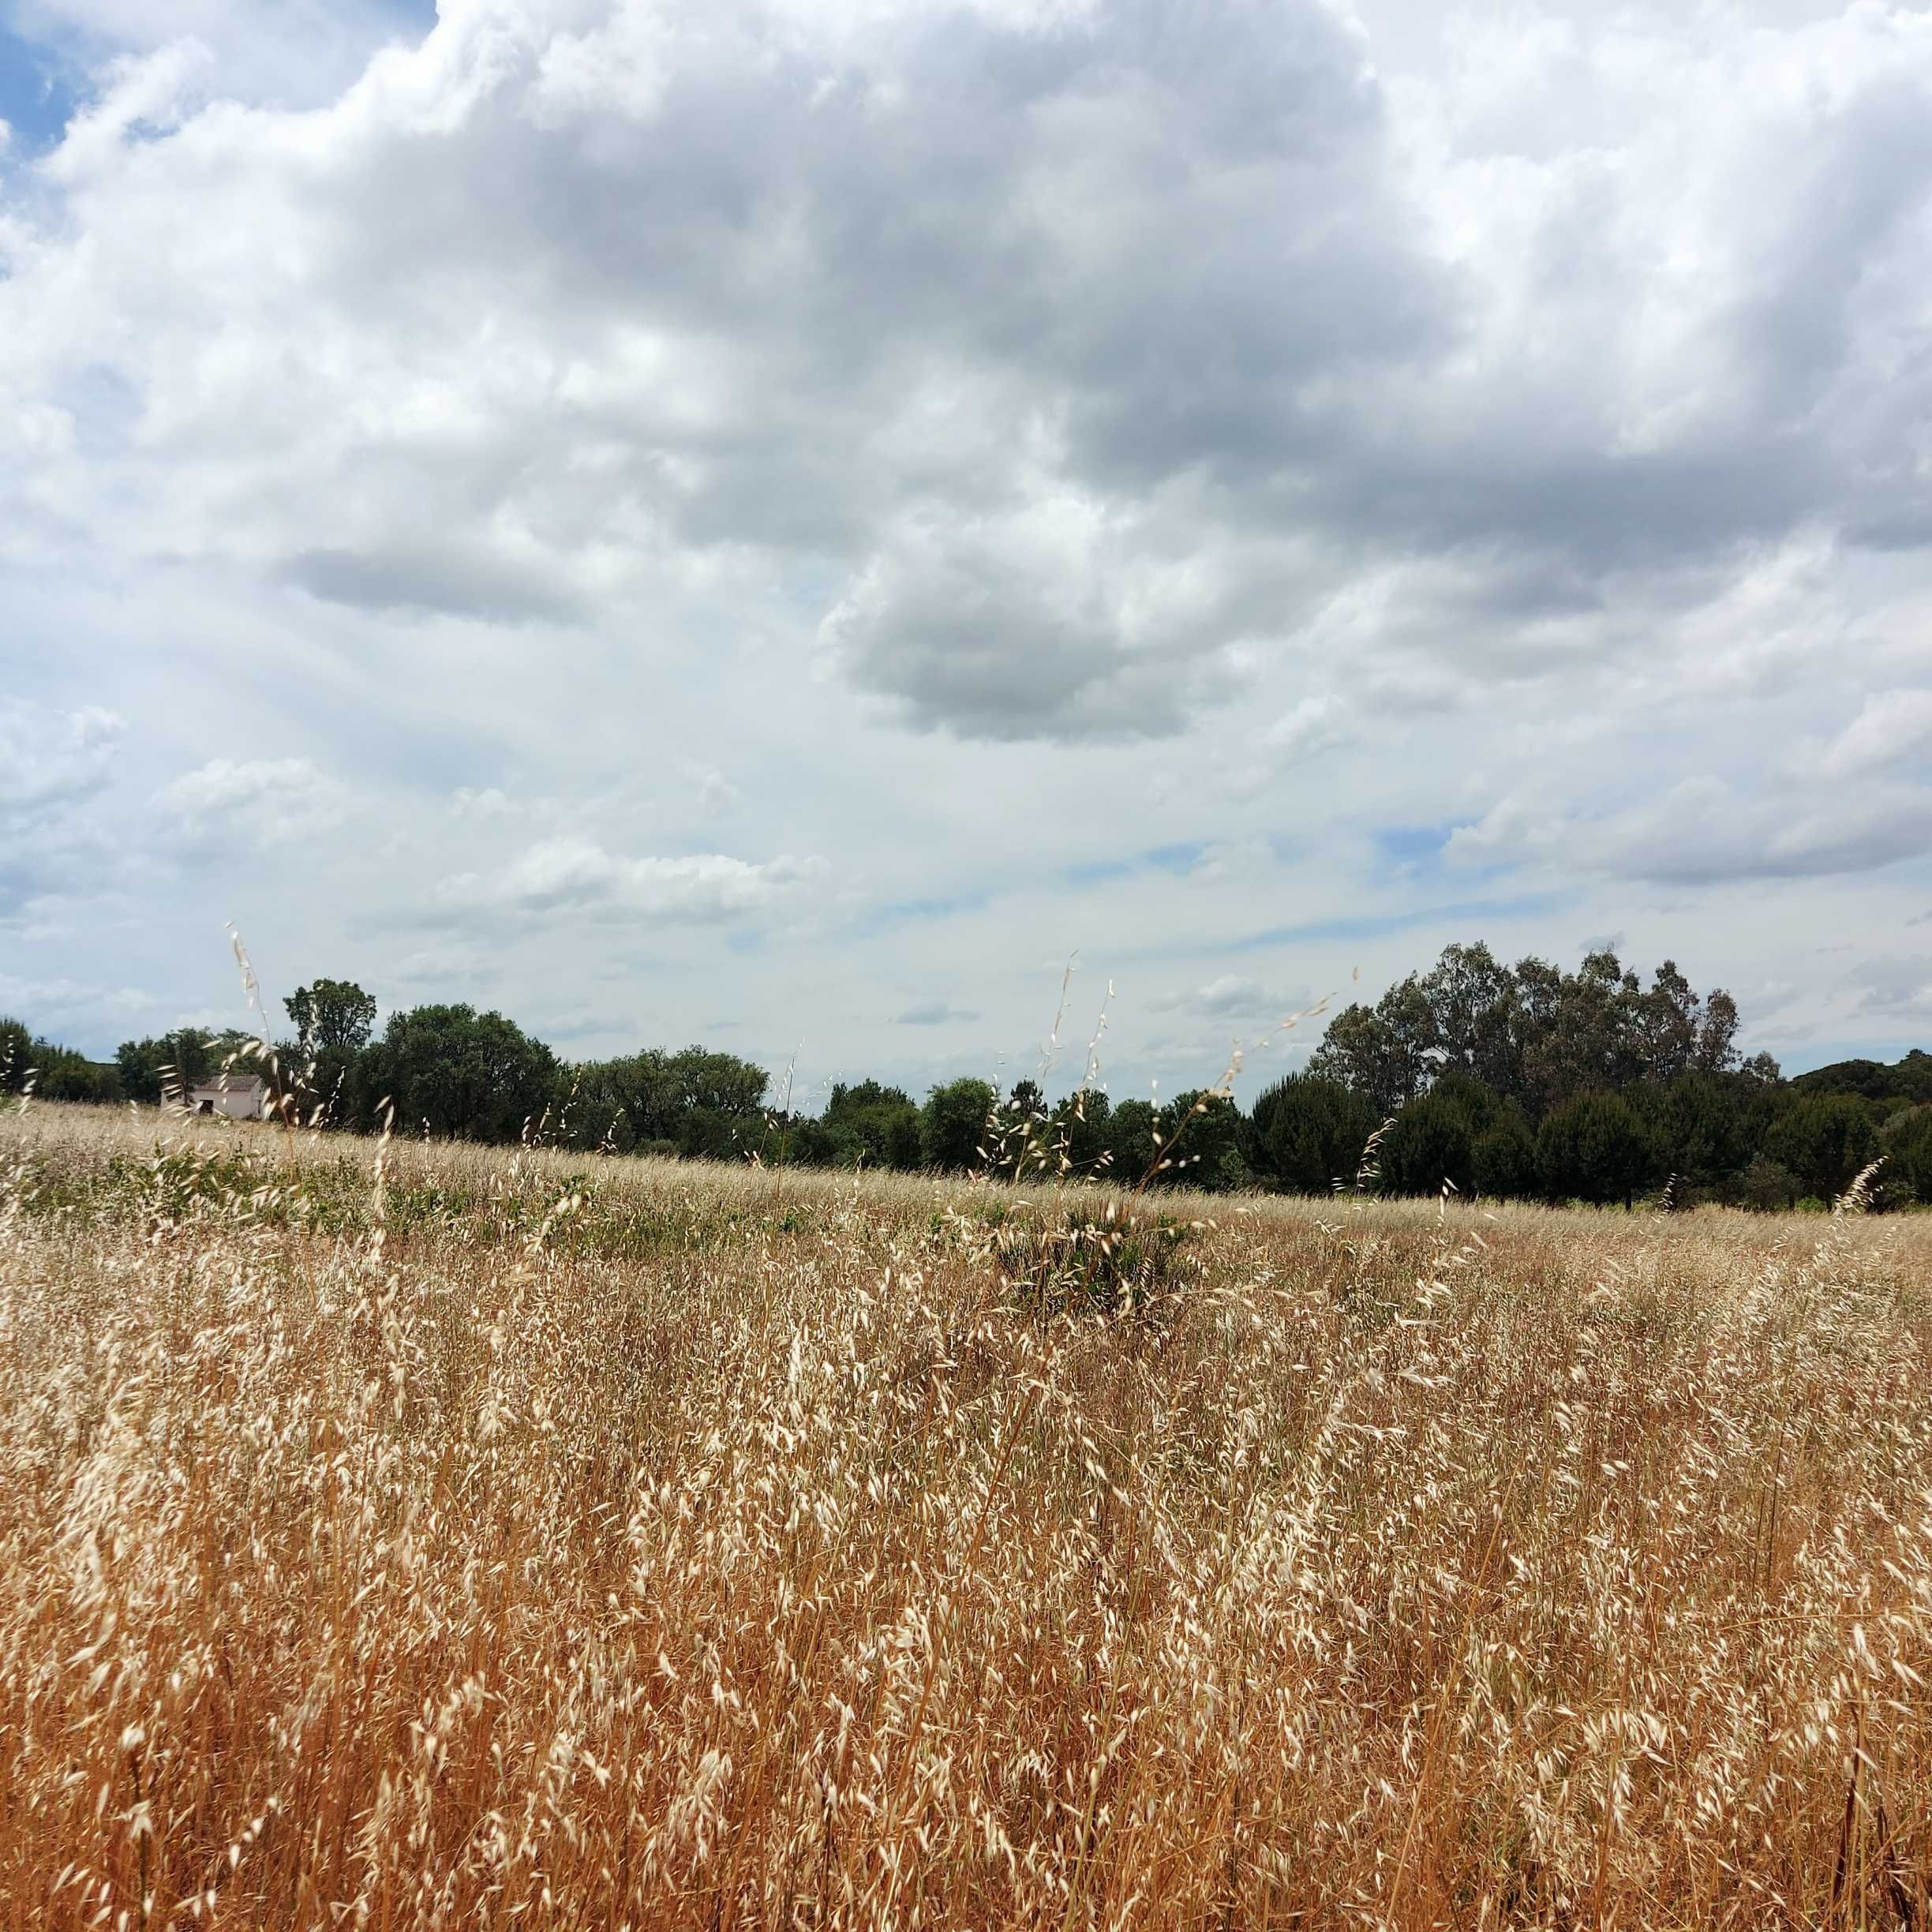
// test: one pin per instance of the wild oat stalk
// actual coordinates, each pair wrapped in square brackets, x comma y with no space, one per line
[416,1536]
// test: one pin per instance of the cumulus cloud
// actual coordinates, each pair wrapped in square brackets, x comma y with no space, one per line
[50,759]
[1891,727]
[252,802]
[570,874]
[1229,996]
[1096,346]
[997,435]
[1312,724]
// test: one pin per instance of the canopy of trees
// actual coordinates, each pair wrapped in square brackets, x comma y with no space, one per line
[1508,1082]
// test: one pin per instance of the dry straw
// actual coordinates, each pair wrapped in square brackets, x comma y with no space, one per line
[626,1544]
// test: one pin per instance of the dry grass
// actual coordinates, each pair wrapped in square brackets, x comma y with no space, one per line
[601,1543]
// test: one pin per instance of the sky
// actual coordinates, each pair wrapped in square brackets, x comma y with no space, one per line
[784,523]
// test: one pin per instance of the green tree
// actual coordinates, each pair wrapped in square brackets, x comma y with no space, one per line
[1666,1025]
[1389,1052]
[458,1074]
[15,1055]
[1767,1185]
[1908,1142]
[872,1126]
[696,1102]
[1707,1125]
[1530,1033]
[60,1073]
[1433,1138]
[1431,1142]
[1593,1041]
[1027,1101]
[1824,1140]
[1079,1133]
[952,1124]
[1307,1132]
[1479,1023]
[331,1016]
[1596,1148]
[1502,1158]
[173,1062]
[1133,1139]
[1202,1132]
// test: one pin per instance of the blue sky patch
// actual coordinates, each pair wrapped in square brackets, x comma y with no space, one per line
[36,99]
[1177,859]
[1414,845]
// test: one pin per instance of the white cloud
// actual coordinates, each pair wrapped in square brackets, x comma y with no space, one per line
[253,802]
[981,446]
[1702,831]
[49,758]
[571,874]
[1891,726]
[49,1000]
[1312,724]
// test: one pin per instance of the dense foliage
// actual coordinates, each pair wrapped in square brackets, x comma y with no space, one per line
[1505,1082]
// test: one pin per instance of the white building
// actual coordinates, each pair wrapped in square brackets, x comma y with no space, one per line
[241,1096]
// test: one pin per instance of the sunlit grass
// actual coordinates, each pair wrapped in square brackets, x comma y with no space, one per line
[537,1539]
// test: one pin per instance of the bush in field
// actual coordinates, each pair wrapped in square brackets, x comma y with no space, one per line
[1101,1262]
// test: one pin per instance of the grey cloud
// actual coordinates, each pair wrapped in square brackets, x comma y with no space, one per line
[1058,621]
[1896,989]
[936,1013]
[472,584]
[1230,997]
[666,280]
[1702,832]
[52,759]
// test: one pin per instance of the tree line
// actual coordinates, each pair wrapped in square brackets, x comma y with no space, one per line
[1506,1082]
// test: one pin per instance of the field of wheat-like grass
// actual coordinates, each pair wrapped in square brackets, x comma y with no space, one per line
[457,1537]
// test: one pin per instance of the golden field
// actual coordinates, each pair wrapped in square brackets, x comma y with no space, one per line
[422,1536]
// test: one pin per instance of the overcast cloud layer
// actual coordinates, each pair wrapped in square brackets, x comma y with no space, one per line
[778,521]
